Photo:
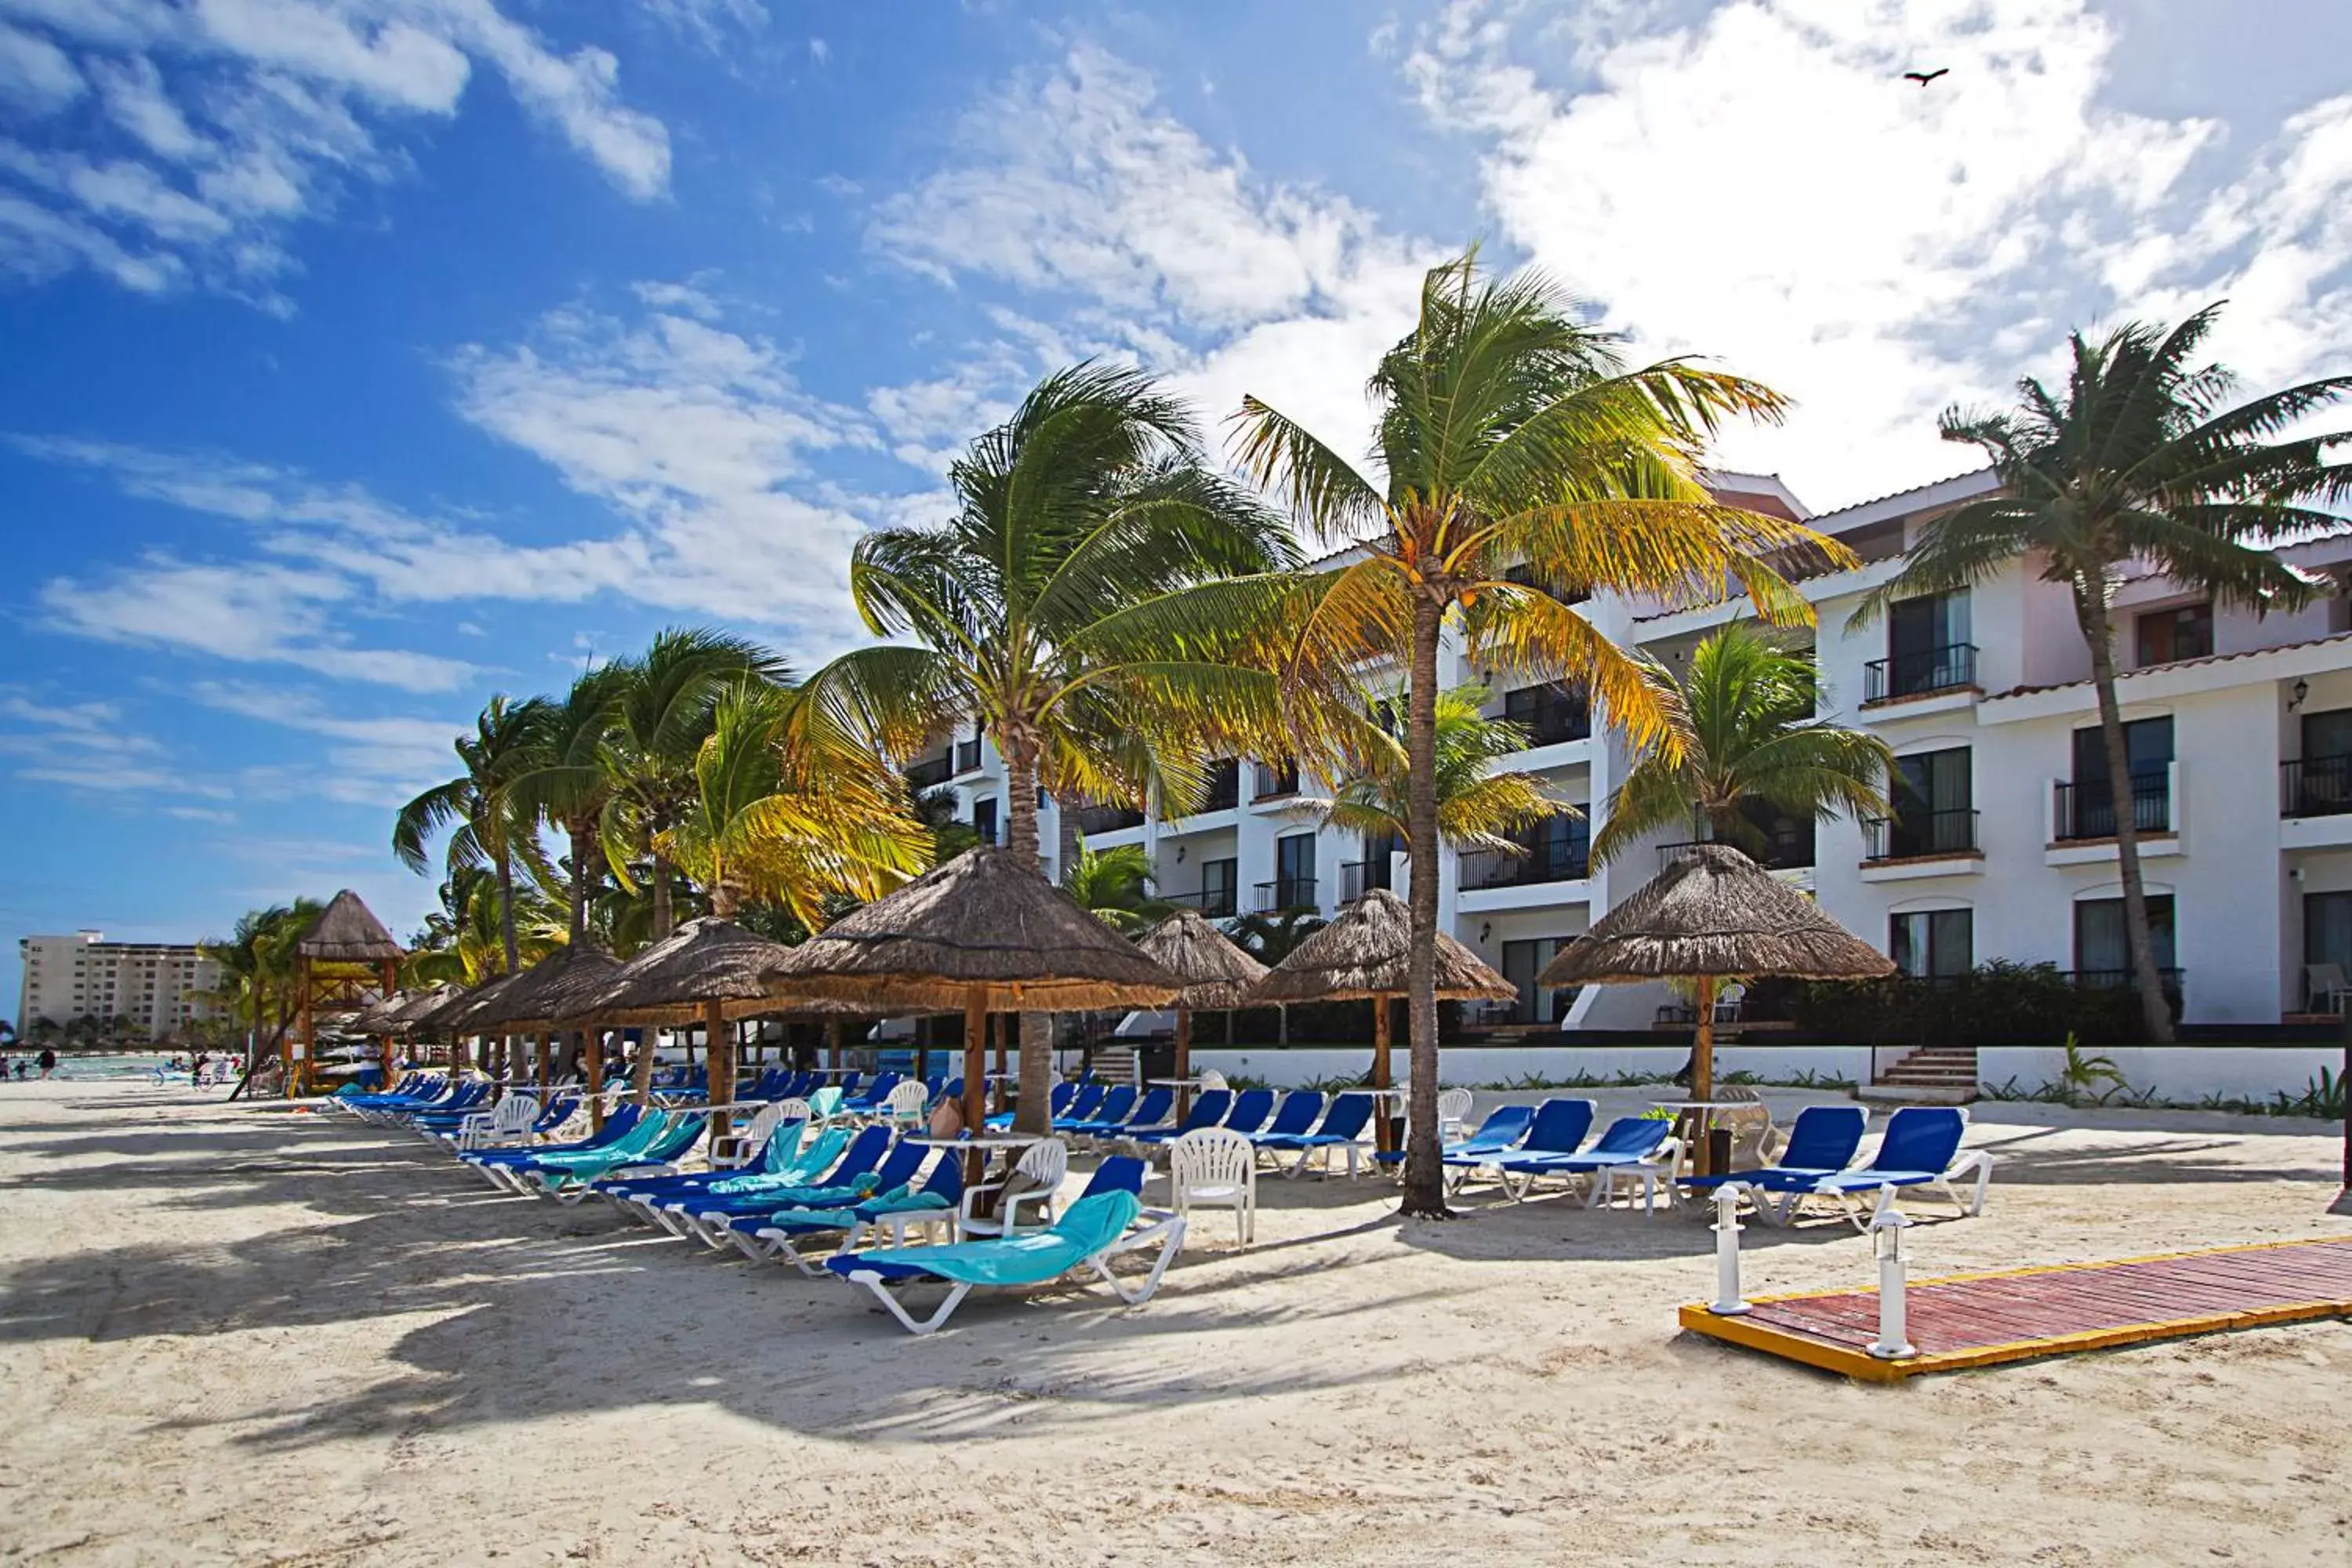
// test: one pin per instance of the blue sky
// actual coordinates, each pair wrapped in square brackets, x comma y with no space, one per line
[359,358]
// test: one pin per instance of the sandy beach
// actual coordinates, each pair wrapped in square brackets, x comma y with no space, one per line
[247,1335]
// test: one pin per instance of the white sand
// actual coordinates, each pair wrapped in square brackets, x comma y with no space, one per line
[233,1335]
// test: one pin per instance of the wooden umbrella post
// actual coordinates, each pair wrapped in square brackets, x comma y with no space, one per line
[1703,1071]
[1383,1130]
[1004,1038]
[833,1041]
[975,1073]
[546,1061]
[722,1068]
[302,1025]
[1184,1062]
[595,1067]
[388,973]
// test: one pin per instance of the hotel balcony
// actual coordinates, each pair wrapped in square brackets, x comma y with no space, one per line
[2085,809]
[1282,893]
[1214,903]
[1927,673]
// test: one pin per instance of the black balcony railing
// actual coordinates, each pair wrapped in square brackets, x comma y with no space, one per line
[1108,819]
[1358,878]
[1947,669]
[2315,786]
[929,772]
[2086,809]
[1549,714]
[1275,780]
[1216,903]
[1919,834]
[1788,848]
[967,755]
[988,831]
[1285,893]
[1225,791]
[1560,860]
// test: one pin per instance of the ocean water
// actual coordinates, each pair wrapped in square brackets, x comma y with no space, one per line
[128,1065]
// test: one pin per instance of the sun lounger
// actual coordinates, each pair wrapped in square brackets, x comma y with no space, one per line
[1209,1108]
[1341,1130]
[641,1197]
[1115,1107]
[1635,1148]
[1091,1233]
[896,1208]
[1504,1127]
[570,1180]
[1822,1143]
[1252,1107]
[499,1166]
[1556,1129]
[1084,1107]
[1921,1148]
[705,1216]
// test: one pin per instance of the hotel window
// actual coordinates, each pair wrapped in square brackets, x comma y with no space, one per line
[2103,947]
[1932,943]
[2184,631]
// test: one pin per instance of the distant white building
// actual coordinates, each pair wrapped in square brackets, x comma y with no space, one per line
[2241,732]
[155,984]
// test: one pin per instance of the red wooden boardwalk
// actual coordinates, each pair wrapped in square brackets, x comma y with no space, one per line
[1979,1320]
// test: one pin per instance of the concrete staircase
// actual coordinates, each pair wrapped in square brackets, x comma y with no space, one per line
[1932,1075]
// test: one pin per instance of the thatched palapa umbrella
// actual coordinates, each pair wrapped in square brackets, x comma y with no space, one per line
[345,935]
[708,971]
[1367,952]
[545,992]
[984,933]
[1713,914]
[1217,976]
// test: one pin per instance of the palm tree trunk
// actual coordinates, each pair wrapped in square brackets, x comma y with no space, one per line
[1424,1188]
[661,913]
[506,909]
[1033,1114]
[2156,1013]
[577,833]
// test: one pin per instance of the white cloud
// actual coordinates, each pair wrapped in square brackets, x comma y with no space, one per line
[36,76]
[1762,187]
[1076,183]
[819,50]
[371,761]
[701,437]
[713,24]
[233,119]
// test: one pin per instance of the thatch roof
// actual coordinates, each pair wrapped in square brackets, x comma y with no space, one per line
[1365,953]
[545,992]
[704,961]
[347,931]
[1715,912]
[1216,974]
[984,927]
[458,1012]
[375,1018]
[415,1007]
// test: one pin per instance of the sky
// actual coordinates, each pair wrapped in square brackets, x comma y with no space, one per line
[362,358]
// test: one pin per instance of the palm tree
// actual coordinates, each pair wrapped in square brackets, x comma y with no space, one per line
[1115,886]
[567,778]
[260,973]
[2137,459]
[1479,805]
[493,824]
[1750,740]
[1034,613]
[463,941]
[1510,432]
[663,716]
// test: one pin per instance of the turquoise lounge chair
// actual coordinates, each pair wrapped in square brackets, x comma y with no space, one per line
[1088,1234]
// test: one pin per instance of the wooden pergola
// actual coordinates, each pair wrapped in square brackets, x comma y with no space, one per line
[344,963]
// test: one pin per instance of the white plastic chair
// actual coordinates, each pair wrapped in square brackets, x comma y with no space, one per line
[2328,988]
[1212,1078]
[734,1151]
[905,1104]
[1726,1002]
[1453,1114]
[1040,1171]
[506,1125]
[1217,1168]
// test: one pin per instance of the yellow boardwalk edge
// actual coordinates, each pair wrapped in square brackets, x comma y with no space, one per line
[1810,1350]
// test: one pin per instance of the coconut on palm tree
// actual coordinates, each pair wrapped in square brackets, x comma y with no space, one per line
[1751,742]
[2139,458]
[493,825]
[1033,614]
[1510,432]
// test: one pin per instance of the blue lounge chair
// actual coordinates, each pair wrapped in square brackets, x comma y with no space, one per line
[659,1157]
[1088,1100]
[1505,1126]
[1641,1147]
[1092,1232]
[642,1197]
[1209,1108]
[1822,1142]
[502,1168]
[1921,1148]
[1556,1128]
[934,1200]
[1251,1108]
[1115,1107]
[1153,1110]
[1341,1128]
[707,1217]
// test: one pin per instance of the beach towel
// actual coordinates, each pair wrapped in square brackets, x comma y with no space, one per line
[1090,1227]
[806,1167]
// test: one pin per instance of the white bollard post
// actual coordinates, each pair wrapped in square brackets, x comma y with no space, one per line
[1886,1229]
[1727,1303]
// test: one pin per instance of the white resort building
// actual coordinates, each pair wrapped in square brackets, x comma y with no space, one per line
[154,985]
[2241,741]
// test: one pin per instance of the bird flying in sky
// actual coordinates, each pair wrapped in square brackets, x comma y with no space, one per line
[1923,77]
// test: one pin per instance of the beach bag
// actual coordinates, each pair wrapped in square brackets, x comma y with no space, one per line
[947,1121]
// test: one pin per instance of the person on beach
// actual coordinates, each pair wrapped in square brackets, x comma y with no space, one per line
[48,1063]
[196,1071]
